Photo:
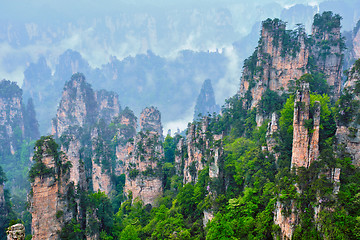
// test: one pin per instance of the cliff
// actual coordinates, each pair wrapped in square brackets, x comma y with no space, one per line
[327,49]
[283,56]
[201,148]
[205,102]
[77,106]
[305,148]
[143,155]
[108,105]
[12,128]
[150,120]
[81,106]
[348,124]
[101,159]
[49,190]
[352,52]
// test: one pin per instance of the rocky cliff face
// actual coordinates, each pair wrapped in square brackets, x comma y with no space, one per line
[201,148]
[71,145]
[143,154]
[150,120]
[327,48]
[205,103]
[12,124]
[348,129]
[81,106]
[101,160]
[305,147]
[283,55]
[77,106]
[49,187]
[108,105]
[352,52]
[125,132]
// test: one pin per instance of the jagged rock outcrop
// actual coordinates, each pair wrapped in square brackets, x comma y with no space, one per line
[77,106]
[283,56]
[16,232]
[305,150]
[201,148]
[71,146]
[352,52]
[305,147]
[348,124]
[49,190]
[108,105]
[126,131]
[81,106]
[150,120]
[205,102]
[11,117]
[143,178]
[287,223]
[271,131]
[327,48]
[101,162]
[39,86]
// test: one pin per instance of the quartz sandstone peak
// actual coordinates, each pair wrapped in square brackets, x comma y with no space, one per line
[150,120]
[143,178]
[48,206]
[205,103]
[77,106]
[348,126]
[283,56]
[80,106]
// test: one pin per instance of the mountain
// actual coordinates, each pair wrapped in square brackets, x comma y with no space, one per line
[205,102]
[279,162]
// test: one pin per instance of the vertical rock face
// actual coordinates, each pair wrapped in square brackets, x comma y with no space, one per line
[49,186]
[142,169]
[352,52]
[150,120]
[71,146]
[11,117]
[16,232]
[300,151]
[108,105]
[287,223]
[101,163]
[328,48]
[80,106]
[348,126]
[305,147]
[141,155]
[201,149]
[305,150]
[272,129]
[205,103]
[283,55]
[125,131]
[38,85]
[77,106]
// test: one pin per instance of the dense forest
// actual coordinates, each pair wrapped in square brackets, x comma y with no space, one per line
[232,175]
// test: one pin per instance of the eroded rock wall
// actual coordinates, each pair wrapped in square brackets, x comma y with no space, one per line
[48,205]
[283,56]
[348,132]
